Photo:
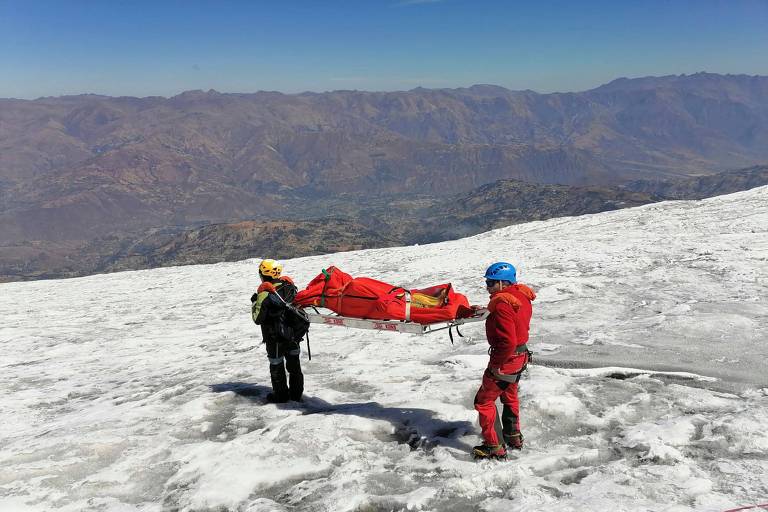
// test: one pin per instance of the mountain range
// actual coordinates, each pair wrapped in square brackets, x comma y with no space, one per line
[83,174]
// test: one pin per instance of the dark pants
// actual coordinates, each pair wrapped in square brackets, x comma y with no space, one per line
[284,356]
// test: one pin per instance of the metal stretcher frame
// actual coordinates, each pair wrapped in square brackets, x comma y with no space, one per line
[396,325]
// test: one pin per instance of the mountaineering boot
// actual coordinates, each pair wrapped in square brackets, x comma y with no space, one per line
[485,451]
[514,440]
[279,393]
[295,377]
[296,389]
[275,399]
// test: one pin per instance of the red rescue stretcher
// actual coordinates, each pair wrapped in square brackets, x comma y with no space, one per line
[364,303]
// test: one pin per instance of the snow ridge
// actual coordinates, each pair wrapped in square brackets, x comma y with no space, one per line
[144,390]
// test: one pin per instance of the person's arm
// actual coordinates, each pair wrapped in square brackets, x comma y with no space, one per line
[259,305]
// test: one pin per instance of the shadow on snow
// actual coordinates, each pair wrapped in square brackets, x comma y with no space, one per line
[416,427]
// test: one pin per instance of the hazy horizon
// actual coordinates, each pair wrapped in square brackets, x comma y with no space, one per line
[458,87]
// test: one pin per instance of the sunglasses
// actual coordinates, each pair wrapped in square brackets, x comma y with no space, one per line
[490,283]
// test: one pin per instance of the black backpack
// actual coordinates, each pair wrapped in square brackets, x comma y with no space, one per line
[294,323]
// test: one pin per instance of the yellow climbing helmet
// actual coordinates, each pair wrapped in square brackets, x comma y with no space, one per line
[270,268]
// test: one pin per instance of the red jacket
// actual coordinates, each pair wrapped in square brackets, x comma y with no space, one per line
[507,326]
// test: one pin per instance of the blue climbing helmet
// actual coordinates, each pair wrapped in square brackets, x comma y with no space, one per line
[502,271]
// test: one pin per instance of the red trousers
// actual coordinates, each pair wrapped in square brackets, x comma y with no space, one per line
[485,405]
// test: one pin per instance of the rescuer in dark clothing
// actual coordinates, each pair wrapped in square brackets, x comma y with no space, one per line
[268,310]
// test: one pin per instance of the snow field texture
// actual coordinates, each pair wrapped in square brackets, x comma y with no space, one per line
[145,390]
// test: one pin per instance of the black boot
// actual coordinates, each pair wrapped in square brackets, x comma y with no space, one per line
[279,385]
[295,377]
[296,386]
[514,440]
[510,426]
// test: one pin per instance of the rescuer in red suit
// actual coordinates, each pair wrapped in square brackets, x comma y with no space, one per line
[507,331]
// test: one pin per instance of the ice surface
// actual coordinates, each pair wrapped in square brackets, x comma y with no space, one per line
[145,390]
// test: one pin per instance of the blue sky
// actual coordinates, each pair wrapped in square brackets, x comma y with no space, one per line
[142,48]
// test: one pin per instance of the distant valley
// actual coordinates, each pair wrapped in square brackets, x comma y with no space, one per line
[343,224]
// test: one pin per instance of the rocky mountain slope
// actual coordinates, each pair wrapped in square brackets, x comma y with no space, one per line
[351,224]
[704,186]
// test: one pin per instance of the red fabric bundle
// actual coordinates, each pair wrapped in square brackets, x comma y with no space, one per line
[362,297]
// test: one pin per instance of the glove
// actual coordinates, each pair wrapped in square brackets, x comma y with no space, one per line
[254,297]
[267,287]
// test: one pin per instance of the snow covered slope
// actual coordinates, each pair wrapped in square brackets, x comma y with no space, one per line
[143,390]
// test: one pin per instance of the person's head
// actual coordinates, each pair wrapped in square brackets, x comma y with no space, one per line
[270,270]
[499,276]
